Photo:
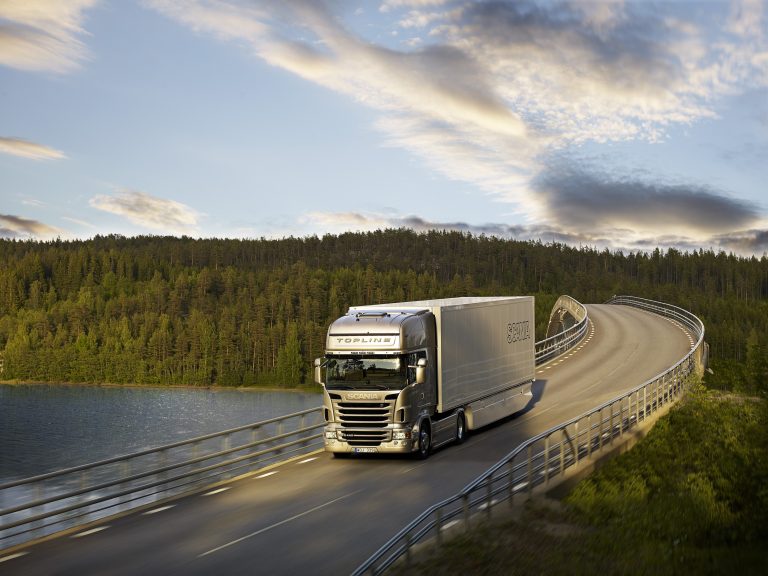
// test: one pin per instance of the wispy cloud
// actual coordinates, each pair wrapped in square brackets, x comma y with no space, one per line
[490,92]
[12,226]
[79,222]
[43,35]
[27,149]
[148,211]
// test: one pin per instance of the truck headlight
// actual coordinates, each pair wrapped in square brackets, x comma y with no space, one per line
[401,434]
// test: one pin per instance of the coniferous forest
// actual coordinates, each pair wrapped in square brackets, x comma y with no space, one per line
[183,311]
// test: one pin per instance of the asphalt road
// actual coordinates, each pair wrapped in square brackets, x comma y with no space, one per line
[319,515]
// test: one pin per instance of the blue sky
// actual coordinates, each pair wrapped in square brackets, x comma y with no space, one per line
[626,125]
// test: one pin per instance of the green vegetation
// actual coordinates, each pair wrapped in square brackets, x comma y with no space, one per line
[691,498]
[160,310]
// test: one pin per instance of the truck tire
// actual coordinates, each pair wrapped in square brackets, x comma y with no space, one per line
[461,428]
[425,441]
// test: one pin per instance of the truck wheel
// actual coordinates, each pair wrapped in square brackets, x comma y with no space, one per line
[461,428]
[425,441]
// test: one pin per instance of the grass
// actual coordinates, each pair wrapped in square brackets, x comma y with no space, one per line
[691,498]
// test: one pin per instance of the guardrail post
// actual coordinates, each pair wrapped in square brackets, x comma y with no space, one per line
[610,428]
[408,558]
[489,496]
[562,452]
[162,456]
[511,465]
[226,444]
[125,473]
[530,471]
[600,431]
[645,402]
[39,495]
[439,527]
[589,435]
[621,415]
[576,432]
[546,461]
[465,508]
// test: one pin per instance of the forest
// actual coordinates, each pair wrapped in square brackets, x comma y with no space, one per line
[228,312]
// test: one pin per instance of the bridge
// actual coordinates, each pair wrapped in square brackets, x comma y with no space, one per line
[265,499]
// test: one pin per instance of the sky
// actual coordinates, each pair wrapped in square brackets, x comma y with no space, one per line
[626,125]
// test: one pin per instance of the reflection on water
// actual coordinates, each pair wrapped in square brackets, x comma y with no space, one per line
[47,427]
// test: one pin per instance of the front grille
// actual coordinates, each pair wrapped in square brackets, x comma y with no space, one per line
[364,423]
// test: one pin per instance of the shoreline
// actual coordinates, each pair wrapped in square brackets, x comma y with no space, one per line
[212,387]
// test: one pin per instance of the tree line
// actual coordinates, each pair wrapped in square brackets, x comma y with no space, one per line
[167,310]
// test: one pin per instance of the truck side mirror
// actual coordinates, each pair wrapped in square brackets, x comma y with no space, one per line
[421,371]
[319,371]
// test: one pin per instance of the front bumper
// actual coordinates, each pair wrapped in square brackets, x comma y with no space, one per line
[398,441]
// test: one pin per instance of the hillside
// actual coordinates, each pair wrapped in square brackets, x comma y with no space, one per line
[165,310]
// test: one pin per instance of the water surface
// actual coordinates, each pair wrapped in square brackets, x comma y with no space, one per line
[50,427]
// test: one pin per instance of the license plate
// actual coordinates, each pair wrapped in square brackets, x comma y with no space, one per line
[365,450]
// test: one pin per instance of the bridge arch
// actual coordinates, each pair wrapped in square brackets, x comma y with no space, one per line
[566,313]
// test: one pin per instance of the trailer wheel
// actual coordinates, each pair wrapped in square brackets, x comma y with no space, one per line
[425,441]
[461,428]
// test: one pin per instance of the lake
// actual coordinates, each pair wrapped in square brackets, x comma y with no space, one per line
[49,427]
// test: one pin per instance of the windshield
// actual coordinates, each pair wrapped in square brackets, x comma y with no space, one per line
[365,373]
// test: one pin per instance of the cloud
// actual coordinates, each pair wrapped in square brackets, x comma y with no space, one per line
[27,149]
[43,35]
[581,200]
[488,92]
[747,242]
[79,222]
[12,226]
[148,211]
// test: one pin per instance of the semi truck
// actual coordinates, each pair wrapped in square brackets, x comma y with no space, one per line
[409,377]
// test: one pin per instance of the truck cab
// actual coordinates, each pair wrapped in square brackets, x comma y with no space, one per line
[379,380]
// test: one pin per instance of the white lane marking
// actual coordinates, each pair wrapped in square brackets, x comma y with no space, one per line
[89,532]
[451,523]
[265,475]
[13,556]
[484,505]
[276,524]
[308,460]
[217,491]
[156,510]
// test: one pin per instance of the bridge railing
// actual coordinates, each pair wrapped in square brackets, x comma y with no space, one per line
[544,459]
[553,346]
[48,503]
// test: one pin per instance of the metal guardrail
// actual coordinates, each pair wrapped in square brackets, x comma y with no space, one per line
[553,346]
[48,503]
[546,457]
